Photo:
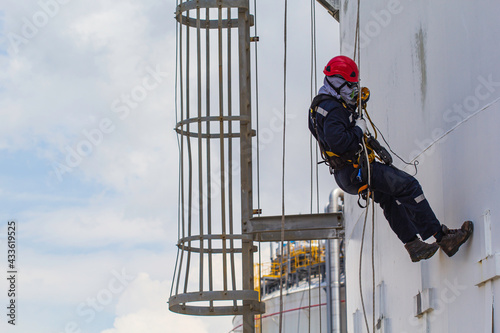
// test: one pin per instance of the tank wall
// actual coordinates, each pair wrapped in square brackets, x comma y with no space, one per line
[297,316]
[434,80]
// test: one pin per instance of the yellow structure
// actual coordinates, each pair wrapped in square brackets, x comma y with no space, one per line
[304,258]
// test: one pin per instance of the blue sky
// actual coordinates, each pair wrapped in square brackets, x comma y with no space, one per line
[92,186]
[3,48]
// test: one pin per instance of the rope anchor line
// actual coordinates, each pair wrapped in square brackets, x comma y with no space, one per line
[369,196]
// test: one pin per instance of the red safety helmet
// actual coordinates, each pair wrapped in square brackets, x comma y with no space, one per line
[343,66]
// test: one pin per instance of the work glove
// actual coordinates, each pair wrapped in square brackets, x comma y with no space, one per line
[361,123]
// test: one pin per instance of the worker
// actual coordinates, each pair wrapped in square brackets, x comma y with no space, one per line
[339,130]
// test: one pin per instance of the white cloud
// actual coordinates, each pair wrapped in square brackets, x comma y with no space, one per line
[67,76]
[143,308]
[94,227]
[62,83]
[70,279]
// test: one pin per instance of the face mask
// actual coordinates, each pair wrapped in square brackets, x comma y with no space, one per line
[349,93]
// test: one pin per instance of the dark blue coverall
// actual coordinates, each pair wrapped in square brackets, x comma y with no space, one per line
[398,193]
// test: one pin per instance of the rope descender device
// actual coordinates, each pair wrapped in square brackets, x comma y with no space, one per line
[371,149]
[365,96]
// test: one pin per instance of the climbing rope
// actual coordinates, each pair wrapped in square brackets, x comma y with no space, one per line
[365,151]
[260,283]
[360,265]
[310,260]
[283,172]
[314,90]
[373,263]
[314,160]
[454,128]
[313,163]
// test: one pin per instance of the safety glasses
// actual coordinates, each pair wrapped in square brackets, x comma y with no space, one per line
[351,84]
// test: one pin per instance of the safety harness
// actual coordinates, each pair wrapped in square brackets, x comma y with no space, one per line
[359,160]
[334,161]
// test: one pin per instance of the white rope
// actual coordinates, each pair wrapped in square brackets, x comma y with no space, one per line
[283,176]
[365,151]
[455,127]
[357,52]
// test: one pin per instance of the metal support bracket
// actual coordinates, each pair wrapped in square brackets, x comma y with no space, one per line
[297,227]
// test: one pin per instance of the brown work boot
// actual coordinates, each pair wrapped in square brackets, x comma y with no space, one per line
[419,250]
[453,238]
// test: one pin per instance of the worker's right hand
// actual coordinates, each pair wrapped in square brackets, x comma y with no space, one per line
[361,123]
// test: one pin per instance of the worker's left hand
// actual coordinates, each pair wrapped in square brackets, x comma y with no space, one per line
[361,123]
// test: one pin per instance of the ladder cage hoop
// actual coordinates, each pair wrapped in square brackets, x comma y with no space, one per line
[181,244]
[182,303]
[180,126]
[208,4]
[215,254]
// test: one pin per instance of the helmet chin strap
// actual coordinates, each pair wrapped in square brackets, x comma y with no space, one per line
[337,90]
[351,108]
